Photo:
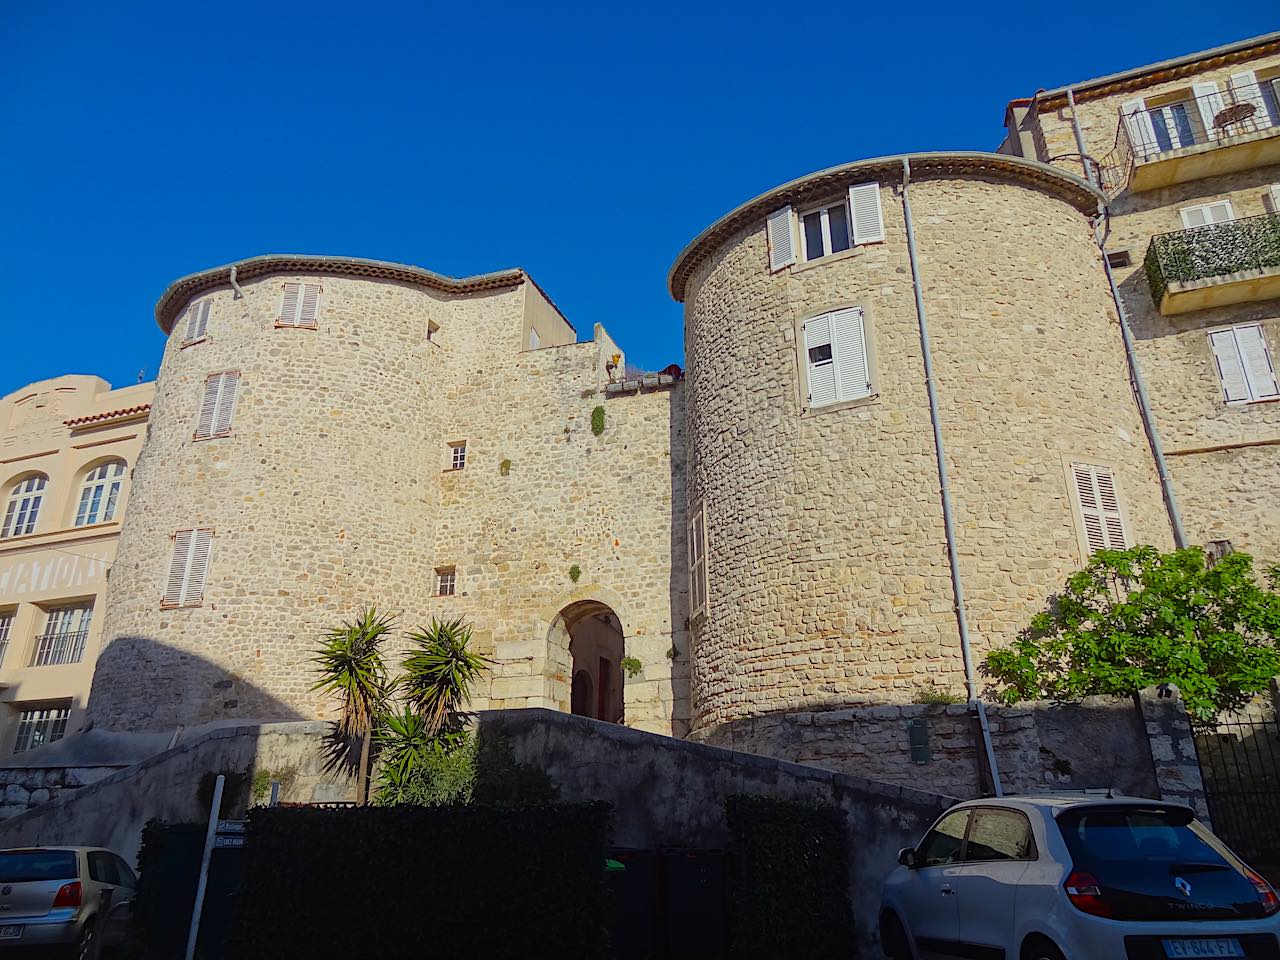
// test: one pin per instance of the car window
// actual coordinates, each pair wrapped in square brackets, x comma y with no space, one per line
[998,835]
[19,866]
[127,877]
[101,868]
[942,843]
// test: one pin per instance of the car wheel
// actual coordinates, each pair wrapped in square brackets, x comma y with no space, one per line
[1041,949]
[893,938]
[84,946]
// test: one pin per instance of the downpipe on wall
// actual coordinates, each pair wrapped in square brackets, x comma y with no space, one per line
[1100,229]
[957,588]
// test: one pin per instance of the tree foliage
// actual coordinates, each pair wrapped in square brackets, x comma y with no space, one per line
[351,667]
[439,673]
[1139,617]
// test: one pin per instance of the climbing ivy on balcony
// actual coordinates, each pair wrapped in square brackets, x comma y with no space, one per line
[1216,250]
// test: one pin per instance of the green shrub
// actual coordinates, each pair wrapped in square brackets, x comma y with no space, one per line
[575,572]
[597,421]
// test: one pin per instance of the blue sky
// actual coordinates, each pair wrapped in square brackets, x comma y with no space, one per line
[587,143]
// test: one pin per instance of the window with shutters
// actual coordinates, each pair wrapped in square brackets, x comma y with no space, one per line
[299,305]
[188,567]
[1243,361]
[825,230]
[196,324]
[835,359]
[100,493]
[1102,524]
[446,581]
[23,508]
[218,405]
[698,563]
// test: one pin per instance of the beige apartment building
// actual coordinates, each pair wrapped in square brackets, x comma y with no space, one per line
[1188,154]
[67,449]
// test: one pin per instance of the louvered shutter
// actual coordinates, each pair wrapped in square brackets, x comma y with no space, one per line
[310,301]
[1210,103]
[198,568]
[1230,370]
[178,567]
[868,219]
[197,320]
[1256,360]
[1271,199]
[697,570]
[850,347]
[1099,507]
[229,386]
[1246,90]
[782,246]
[209,406]
[289,304]
[1137,122]
[820,357]
[1110,504]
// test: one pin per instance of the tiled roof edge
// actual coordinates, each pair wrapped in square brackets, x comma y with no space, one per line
[122,414]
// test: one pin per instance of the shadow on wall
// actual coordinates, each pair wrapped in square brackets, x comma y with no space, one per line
[681,658]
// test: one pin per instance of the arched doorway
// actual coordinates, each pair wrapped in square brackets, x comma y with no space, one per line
[592,633]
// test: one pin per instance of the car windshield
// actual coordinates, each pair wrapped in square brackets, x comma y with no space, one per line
[18,866]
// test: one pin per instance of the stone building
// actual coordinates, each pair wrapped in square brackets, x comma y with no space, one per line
[67,449]
[1188,153]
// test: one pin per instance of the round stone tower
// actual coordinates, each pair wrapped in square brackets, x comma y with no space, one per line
[811,456]
[298,429]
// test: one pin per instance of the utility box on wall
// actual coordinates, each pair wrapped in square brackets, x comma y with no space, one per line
[918,739]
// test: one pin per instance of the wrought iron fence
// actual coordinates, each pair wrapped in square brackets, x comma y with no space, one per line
[53,649]
[1240,765]
[1214,250]
[1208,118]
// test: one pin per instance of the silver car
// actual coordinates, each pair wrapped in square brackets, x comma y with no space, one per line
[52,896]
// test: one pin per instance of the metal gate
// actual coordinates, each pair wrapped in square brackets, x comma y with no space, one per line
[1240,764]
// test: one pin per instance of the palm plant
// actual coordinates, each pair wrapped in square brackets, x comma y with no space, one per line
[438,674]
[352,668]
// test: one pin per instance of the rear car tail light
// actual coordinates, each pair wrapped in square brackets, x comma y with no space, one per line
[68,895]
[1085,894]
[1266,895]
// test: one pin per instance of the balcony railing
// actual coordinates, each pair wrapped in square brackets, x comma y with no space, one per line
[53,649]
[1217,250]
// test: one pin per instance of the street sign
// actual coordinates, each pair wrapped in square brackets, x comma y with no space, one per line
[222,842]
[230,826]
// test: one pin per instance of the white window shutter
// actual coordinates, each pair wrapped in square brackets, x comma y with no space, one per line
[1230,370]
[209,406]
[310,302]
[697,564]
[178,567]
[198,568]
[866,215]
[822,372]
[197,320]
[1137,122]
[1099,507]
[782,245]
[849,343]
[1256,360]
[226,406]
[289,304]
[1110,505]
[1246,90]
[1210,103]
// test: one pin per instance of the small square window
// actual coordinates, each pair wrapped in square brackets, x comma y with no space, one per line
[825,230]
[458,455]
[446,581]
[1120,258]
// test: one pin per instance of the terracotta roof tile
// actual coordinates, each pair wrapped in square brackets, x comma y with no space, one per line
[108,415]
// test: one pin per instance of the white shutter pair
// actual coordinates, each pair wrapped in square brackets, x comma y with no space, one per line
[835,353]
[697,563]
[1099,507]
[197,321]
[1246,89]
[1210,103]
[1244,364]
[218,406]
[188,567]
[866,223]
[298,305]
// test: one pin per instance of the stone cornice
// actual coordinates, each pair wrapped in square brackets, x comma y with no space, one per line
[182,290]
[1029,173]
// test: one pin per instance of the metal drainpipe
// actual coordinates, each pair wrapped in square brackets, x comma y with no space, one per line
[962,619]
[1135,372]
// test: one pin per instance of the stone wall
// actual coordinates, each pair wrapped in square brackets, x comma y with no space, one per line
[22,788]
[829,584]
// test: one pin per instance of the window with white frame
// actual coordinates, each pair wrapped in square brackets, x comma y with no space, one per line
[100,494]
[446,581]
[299,304]
[1243,360]
[188,567]
[23,508]
[698,563]
[1101,519]
[825,230]
[197,321]
[6,628]
[66,631]
[836,362]
[457,455]
[830,228]
[40,725]
[1206,214]
[218,405]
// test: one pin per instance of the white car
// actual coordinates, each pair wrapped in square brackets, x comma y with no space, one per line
[1077,877]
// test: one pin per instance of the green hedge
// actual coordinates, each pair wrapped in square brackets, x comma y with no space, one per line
[790,880]
[391,882]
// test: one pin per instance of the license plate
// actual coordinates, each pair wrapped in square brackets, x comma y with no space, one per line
[11,932]
[1220,947]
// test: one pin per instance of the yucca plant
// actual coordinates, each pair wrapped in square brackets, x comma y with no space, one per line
[418,768]
[439,672]
[352,668]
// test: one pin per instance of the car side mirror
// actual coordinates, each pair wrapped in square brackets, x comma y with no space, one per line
[907,857]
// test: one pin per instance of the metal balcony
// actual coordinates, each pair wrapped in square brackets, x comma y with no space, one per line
[1216,265]
[1232,129]
[53,649]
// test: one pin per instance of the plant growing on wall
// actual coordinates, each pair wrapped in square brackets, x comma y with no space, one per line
[597,421]
[504,467]
[631,666]
[1139,617]
[575,572]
